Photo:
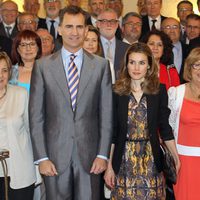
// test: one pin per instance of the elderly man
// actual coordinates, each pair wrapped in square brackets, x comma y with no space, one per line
[113,49]
[95,8]
[31,6]
[26,21]
[184,8]
[131,27]
[153,18]
[52,8]
[9,12]
[47,41]
[171,27]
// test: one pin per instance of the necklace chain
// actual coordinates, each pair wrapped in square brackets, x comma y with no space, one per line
[4,94]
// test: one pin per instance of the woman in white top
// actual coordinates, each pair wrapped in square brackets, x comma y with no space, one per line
[14,136]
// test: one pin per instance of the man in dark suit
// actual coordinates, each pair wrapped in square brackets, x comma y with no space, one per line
[6,45]
[171,27]
[70,113]
[113,49]
[153,18]
[95,8]
[8,26]
[52,20]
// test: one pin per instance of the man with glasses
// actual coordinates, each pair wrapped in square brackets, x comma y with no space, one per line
[192,27]
[184,8]
[27,21]
[171,27]
[8,26]
[153,18]
[131,27]
[113,49]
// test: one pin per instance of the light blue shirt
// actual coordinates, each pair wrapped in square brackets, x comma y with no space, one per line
[104,42]
[177,51]
[66,60]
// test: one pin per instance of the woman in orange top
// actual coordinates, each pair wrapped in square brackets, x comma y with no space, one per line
[184,102]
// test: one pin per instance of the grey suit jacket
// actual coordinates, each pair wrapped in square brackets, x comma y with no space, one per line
[53,125]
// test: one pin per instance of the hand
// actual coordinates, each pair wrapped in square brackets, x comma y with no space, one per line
[177,164]
[47,168]
[99,165]
[109,177]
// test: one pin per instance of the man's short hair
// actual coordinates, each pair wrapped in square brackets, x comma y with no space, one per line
[72,10]
[186,2]
[130,14]
[193,16]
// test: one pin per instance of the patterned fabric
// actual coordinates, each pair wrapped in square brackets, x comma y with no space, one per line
[73,81]
[138,178]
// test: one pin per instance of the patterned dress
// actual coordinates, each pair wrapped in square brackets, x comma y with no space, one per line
[138,178]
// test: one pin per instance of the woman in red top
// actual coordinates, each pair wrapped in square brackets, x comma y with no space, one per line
[161,47]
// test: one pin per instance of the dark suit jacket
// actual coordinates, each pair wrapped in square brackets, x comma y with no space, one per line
[184,56]
[120,51]
[145,25]
[157,118]
[6,45]
[194,43]
[3,31]
[42,24]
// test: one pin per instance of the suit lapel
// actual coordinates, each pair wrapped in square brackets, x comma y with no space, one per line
[57,69]
[150,109]
[85,75]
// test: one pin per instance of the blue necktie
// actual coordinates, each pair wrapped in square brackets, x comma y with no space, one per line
[73,81]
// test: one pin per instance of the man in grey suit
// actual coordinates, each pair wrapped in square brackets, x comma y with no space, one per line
[71,132]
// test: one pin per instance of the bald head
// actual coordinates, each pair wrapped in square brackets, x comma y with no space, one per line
[171,27]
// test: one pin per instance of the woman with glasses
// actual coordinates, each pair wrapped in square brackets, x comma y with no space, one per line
[15,137]
[184,102]
[161,47]
[25,50]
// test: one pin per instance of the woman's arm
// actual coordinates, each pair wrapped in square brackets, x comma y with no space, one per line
[172,148]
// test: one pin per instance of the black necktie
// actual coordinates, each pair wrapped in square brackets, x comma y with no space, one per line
[8,28]
[153,27]
[52,29]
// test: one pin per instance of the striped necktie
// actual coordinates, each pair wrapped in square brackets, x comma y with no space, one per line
[73,81]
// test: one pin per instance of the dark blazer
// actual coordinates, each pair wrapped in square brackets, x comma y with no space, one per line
[42,24]
[6,45]
[184,56]
[120,51]
[3,31]
[194,43]
[145,25]
[157,118]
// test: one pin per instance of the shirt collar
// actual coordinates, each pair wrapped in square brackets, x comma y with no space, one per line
[57,19]
[11,25]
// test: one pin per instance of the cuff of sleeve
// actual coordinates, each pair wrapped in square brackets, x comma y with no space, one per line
[40,160]
[103,157]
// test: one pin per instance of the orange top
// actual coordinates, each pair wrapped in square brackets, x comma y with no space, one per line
[189,125]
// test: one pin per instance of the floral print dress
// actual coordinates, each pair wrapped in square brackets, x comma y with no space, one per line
[138,178]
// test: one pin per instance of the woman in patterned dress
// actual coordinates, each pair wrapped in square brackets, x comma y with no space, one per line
[140,110]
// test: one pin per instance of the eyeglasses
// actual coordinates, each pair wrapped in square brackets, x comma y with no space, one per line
[184,10]
[106,21]
[8,11]
[27,22]
[31,45]
[174,27]
[192,27]
[196,66]
[46,39]
[130,24]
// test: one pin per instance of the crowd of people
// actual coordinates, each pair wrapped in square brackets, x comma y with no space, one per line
[87,97]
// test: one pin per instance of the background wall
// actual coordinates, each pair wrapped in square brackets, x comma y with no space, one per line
[169,6]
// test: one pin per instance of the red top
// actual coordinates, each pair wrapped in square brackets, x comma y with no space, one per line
[169,76]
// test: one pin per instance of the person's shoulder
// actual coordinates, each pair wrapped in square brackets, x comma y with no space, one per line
[94,57]
[17,90]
